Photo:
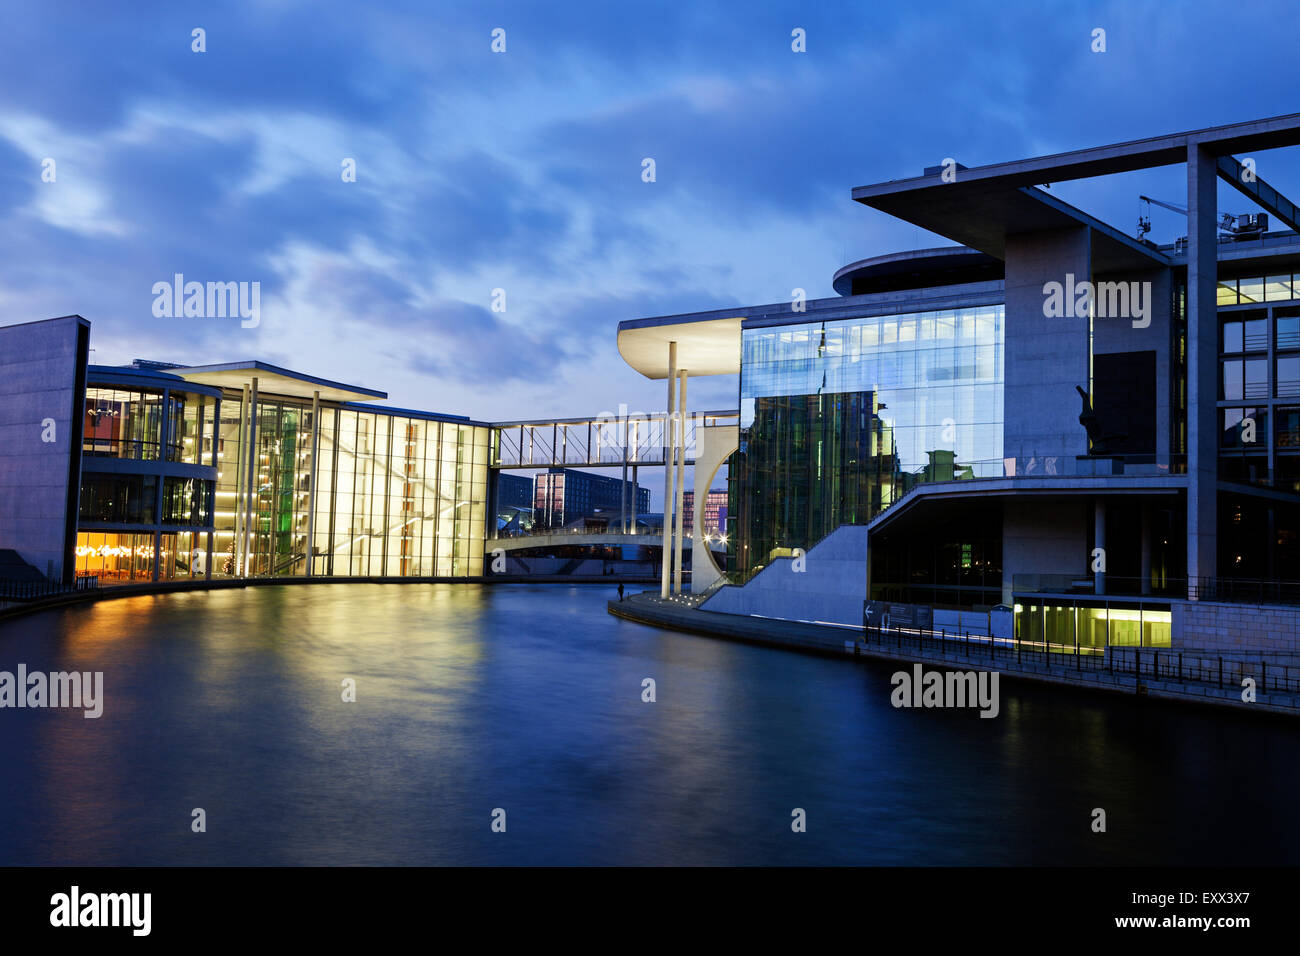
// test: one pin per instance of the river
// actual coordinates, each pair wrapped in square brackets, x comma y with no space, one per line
[528,699]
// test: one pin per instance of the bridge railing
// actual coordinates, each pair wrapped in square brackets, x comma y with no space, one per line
[606,440]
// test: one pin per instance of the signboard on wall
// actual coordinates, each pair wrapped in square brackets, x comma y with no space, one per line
[888,614]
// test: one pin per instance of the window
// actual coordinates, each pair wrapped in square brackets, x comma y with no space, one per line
[1244,428]
[1251,290]
[1287,434]
[1256,334]
[1288,375]
[1231,381]
[1256,380]
[118,499]
[1288,331]
[1248,378]
[1277,288]
[1233,338]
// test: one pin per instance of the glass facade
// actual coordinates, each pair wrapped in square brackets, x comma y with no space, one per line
[113,556]
[128,423]
[1092,628]
[397,496]
[840,418]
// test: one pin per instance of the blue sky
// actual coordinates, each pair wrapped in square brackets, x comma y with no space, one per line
[522,170]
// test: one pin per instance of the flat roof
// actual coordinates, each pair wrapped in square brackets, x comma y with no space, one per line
[917,267]
[1167,150]
[707,343]
[986,203]
[982,214]
[127,376]
[275,380]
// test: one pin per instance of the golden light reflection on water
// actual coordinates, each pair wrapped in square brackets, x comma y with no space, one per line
[266,669]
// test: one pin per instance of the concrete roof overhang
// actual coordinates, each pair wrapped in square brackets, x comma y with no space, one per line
[982,214]
[707,344]
[987,203]
[274,380]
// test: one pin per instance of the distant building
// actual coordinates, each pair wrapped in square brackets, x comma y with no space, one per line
[562,496]
[715,511]
[514,491]
[514,504]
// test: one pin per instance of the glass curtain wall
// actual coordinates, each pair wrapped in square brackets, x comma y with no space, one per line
[396,496]
[840,418]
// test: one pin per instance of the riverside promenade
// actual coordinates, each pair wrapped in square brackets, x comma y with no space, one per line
[1163,673]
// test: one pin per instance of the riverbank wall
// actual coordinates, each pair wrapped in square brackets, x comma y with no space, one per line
[1158,673]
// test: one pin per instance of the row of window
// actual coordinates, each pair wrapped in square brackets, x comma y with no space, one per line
[1242,379]
[1248,331]
[1274,288]
[122,423]
[1247,429]
[131,499]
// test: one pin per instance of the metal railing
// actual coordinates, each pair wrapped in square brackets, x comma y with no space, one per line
[1143,664]
[1225,590]
[34,590]
[1243,590]
[608,440]
[537,532]
[1035,466]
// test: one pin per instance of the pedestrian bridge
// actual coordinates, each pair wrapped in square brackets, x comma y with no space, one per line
[586,539]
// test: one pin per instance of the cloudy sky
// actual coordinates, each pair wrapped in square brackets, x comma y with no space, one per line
[521,170]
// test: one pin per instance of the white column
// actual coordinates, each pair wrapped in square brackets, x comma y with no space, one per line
[681,481]
[670,434]
[241,475]
[311,487]
[250,538]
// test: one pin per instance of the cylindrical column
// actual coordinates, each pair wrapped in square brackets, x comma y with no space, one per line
[241,482]
[681,482]
[622,491]
[164,442]
[670,436]
[253,484]
[311,487]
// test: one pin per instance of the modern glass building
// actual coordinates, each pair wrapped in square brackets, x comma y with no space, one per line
[1101,467]
[841,418]
[250,470]
[148,476]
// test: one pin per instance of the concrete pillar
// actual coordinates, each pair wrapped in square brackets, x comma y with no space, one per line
[250,541]
[241,475]
[1202,363]
[622,491]
[1045,358]
[311,487]
[1099,541]
[164,440]
[670,436]
[681,482]
[632,504]
[212,501]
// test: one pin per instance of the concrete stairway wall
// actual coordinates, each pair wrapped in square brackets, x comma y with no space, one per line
[831,588]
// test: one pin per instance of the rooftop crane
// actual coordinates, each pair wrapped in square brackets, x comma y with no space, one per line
[1249,226]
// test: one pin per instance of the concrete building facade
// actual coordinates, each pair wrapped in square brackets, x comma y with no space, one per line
[1050,415]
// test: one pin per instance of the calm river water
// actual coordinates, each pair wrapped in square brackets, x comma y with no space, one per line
[527,698]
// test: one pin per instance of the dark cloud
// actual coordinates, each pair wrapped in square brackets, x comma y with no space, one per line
[527,165]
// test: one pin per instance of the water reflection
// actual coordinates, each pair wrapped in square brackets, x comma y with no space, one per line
[529,698]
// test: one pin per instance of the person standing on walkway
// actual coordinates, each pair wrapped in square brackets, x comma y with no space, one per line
[620,591]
